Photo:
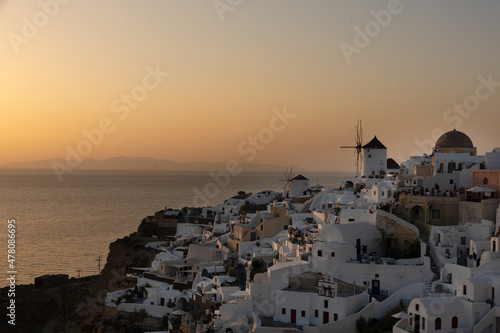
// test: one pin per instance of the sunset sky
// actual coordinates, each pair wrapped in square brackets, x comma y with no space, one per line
[65,71]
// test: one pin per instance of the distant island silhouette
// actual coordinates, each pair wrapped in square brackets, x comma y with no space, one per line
[144,163]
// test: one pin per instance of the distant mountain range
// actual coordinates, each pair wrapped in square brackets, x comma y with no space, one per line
[144,163]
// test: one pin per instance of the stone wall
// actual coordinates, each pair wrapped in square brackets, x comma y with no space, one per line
[478,177]
[279,211]
[400,239]
[447,207]
[474,212]
[393,225]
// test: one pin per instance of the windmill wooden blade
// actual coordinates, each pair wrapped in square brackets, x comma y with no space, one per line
[358,147]
[287,188]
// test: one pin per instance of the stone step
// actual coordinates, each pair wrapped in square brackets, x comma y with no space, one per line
[424,237]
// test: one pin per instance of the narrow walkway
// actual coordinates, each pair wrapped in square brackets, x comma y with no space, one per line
[242,279]
[424,237]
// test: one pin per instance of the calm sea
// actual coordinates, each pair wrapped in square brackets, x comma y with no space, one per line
[63,227]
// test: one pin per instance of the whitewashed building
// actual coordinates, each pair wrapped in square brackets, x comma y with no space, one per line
[308,307]
[300,185]
[374,159]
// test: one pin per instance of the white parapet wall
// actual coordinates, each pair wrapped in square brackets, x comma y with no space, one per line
[229,311]
[152,310]
[373,310]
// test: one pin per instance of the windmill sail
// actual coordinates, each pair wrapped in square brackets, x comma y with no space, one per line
[357,147]
[287,189]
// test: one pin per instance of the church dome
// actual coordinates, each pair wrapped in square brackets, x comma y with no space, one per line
[454,139]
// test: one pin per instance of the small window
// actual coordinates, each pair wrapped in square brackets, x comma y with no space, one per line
[316,313]
[261,227]
[325,303]
[437,324]
[416,307]
[486,181]
[463,240]
[369,155]
[333,254]
[303,313]
[283,311]
[454,322]
[464,290]
[423,324]
[436,214]
[492,293]
[374,192]
[335,317]
[320,253]
[451,181]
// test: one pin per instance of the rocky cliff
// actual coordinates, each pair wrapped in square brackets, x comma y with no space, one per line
[78,306]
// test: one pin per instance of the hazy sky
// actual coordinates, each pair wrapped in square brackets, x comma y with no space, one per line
[65,66]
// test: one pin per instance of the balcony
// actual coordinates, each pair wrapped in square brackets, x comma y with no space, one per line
[402,326]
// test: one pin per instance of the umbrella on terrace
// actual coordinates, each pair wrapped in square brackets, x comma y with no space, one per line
[481,189]
[179,312]
[401,315]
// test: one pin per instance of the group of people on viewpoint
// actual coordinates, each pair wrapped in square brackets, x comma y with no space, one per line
[434,191]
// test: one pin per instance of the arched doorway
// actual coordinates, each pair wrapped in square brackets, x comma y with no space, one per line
[417,213]
[182,304]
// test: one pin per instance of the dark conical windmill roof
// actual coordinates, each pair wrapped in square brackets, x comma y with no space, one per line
[300,177]
[374,144]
